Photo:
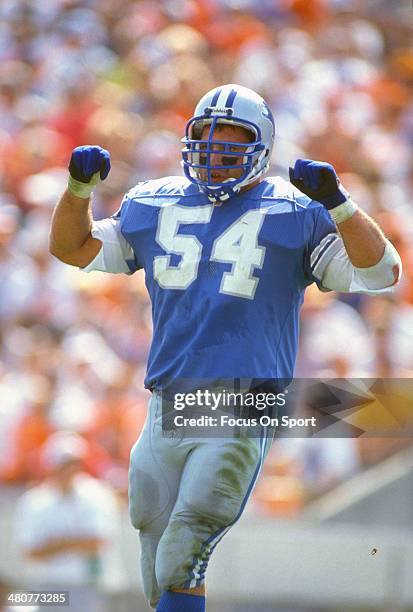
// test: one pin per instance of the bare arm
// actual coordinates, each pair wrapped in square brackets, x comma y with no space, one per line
[363,239]
[362,261]
[70,238]
[86,546]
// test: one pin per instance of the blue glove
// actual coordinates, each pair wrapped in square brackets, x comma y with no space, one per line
[88,166]
[319,181]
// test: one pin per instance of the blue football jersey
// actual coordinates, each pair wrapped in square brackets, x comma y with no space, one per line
[226,282]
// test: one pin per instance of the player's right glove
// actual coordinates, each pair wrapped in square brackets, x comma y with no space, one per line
[89,165]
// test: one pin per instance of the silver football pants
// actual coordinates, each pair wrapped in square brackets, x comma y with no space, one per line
[185,493]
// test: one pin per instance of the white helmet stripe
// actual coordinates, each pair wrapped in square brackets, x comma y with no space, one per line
[224,97]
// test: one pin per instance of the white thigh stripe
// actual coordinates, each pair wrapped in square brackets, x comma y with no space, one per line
[211,545]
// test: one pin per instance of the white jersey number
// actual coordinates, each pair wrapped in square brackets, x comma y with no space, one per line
[238,245]
[187,246]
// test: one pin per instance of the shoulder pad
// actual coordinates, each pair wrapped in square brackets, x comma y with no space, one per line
[280,189]
[166,186]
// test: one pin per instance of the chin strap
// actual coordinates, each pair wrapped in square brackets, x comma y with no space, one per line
[219,196]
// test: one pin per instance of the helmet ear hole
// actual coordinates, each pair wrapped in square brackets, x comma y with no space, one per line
[197,130]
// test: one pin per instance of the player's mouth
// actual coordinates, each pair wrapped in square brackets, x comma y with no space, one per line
[216,176]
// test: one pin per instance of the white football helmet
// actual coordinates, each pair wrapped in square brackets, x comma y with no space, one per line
[232,105]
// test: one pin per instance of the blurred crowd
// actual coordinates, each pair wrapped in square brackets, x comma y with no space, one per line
[126,75]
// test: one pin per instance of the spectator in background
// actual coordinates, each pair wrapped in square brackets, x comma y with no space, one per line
[64,524]
[16,269]
[30,433]
[323,319]
[391,323]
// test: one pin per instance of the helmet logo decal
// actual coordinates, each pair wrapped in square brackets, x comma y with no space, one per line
[266,111]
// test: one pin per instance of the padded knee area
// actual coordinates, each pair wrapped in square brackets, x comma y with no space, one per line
[181,545]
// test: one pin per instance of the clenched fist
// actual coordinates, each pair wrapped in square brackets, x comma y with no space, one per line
[89,165]
[319,181]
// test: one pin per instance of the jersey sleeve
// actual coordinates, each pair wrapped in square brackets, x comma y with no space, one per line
[323,244]
[116,255]
[339,273]
[328,264]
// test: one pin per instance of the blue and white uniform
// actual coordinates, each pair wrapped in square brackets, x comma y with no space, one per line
[226,284]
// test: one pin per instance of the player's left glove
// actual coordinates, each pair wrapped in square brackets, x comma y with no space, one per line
[319,181]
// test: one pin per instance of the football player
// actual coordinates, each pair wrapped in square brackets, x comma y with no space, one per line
[227,255]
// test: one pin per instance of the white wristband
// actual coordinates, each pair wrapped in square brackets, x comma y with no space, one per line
[83,190]
[343,211]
